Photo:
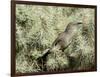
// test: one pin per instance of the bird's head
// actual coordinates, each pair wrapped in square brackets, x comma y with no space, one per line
[74,26]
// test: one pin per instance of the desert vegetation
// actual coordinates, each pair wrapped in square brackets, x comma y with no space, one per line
[36,29]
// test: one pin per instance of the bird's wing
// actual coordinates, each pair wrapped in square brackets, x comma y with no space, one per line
[58,39]
[56,42]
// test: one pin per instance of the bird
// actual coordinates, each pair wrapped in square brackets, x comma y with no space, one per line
[63,40]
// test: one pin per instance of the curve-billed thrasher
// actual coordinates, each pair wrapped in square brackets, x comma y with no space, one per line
[64,38]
